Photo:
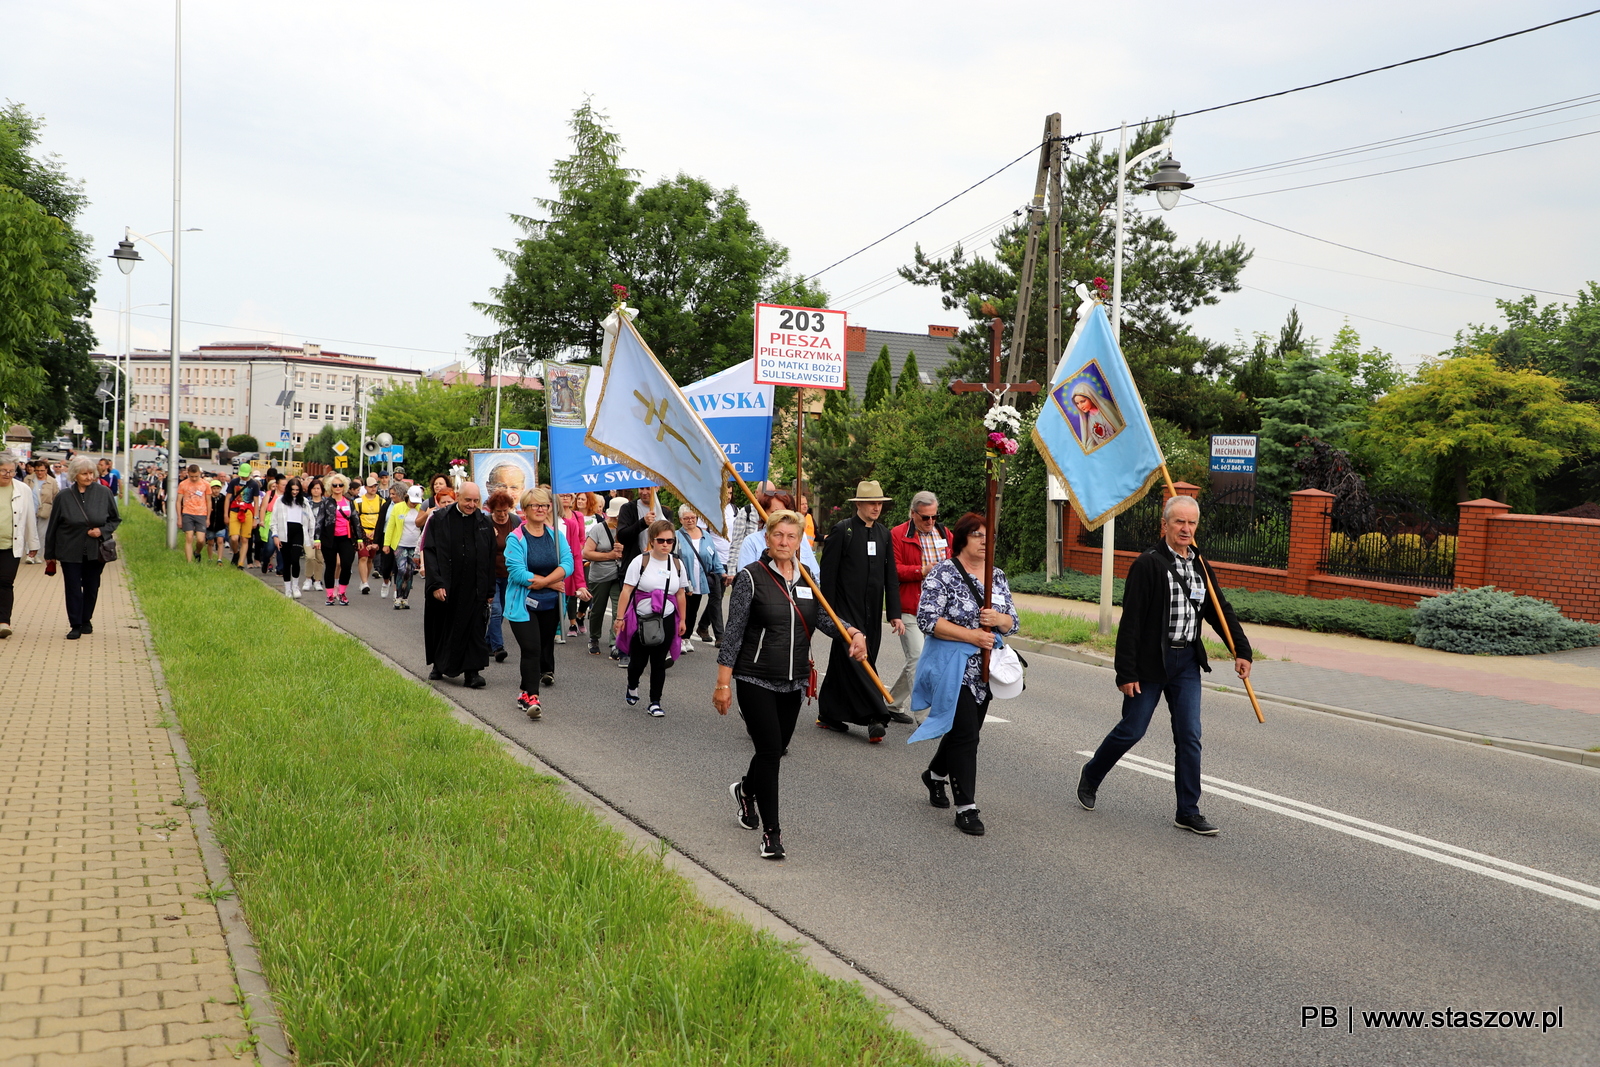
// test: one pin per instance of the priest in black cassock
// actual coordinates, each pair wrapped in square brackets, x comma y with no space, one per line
[458,552]
[859,580]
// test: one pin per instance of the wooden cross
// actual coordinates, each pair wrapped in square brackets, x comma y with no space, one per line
[997,390]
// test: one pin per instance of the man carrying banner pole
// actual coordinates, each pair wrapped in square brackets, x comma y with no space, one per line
[1108,462]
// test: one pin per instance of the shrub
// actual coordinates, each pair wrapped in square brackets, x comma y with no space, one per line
[243,442]
[1444,546]
[1370,547]
[1338,546]
[1409,542]
[1490,622]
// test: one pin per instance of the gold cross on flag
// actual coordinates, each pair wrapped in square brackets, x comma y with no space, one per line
[658,414]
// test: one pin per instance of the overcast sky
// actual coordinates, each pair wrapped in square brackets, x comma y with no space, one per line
[352,165]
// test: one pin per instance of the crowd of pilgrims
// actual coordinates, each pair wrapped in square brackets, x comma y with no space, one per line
[640,586]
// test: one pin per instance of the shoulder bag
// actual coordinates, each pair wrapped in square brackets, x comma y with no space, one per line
[811,664]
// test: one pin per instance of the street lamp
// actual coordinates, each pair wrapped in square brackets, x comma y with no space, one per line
[1168,185]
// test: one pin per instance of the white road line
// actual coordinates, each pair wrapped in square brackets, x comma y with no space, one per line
[1396,839]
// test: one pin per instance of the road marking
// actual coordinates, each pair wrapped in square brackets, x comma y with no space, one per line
[993,718]
[1402,840]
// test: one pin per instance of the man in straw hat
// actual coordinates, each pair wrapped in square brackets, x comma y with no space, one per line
[859,580]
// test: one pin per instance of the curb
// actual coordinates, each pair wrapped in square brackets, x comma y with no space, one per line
[711,888]
[1512,744]
[272,1045]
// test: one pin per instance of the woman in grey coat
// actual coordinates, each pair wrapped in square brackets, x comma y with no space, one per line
[84,518]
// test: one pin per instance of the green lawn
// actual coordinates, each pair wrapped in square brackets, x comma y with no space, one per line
[420,898]
[1076,630]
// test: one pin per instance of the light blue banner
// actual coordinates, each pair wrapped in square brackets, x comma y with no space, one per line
[1092,430]
[519,438]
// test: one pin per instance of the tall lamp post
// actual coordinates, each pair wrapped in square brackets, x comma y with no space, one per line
[1168,184]
[127,257]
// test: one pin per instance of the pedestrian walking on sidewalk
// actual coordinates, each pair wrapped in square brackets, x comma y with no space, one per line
[538,560]
[216,521]
[951,609]
[81,525]
[1159,654]
[571,520]
[502,509]
[698,554]
[400,541]
[317,501]
[650,627]
[292,526]
[921,543]
[765,660]
[194,510]
[19,533]
[458,560]
[45,488]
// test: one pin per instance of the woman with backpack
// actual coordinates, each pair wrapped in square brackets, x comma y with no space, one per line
[537,563]
[603,553]
[651,626]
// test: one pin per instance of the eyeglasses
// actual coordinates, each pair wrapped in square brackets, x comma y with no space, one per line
[666,540]
[538,507]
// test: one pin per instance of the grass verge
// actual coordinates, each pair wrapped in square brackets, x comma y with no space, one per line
[421,898]
[1076,630]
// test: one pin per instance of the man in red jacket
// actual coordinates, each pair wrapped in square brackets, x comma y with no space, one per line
[919,545]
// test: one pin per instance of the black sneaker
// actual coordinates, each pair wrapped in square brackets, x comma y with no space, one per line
[500,655]
[1085,794]
[902,718]
[547,678]
[594,648]
[771,845]
[746,813]
[474,680]
[622,660]
[936,794]
[1196,824]
[968,822]
[829,724]
[875,732]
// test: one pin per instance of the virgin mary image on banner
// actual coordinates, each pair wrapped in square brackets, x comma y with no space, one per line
[1086,402]
[564,395]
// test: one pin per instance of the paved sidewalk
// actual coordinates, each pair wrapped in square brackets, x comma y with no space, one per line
[1550,700]
[106,956]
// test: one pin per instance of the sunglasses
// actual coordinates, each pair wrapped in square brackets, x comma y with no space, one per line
[925,518]
[666,540]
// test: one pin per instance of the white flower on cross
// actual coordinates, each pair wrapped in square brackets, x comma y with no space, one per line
[1003,418]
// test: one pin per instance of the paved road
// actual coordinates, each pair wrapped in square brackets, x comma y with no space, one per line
[1068,937]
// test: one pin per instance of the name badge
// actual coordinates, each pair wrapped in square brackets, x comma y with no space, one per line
[872,548]
[1198,593]
[802,592]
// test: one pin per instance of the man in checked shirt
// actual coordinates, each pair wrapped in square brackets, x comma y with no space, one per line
[1159,652]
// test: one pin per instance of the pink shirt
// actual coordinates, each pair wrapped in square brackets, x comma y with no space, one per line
[341,517]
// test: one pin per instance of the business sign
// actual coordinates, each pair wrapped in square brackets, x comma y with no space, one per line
[736,409]
[519,438]
[1233,454]
[799,346]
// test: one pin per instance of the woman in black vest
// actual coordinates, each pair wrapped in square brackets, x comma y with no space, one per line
[766,650]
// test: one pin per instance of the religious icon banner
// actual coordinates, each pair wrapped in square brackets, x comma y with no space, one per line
[642,419]
[1092,430]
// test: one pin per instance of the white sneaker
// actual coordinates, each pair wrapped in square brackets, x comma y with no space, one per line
[383,591]
[561,638]
[306,584]
[317,584]
[688,644]
[288,589]
[296,590]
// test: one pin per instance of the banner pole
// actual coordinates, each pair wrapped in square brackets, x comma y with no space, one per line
[806,573]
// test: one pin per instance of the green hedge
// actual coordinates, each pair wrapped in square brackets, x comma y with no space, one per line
[1359,617]
[1488,622]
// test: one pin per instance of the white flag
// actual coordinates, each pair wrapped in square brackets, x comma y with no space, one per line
[644,421]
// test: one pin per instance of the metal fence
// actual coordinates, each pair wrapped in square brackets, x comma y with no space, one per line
[1237,527]
[1391,538]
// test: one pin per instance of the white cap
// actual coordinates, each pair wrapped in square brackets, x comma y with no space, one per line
[414,494]
[1005,673]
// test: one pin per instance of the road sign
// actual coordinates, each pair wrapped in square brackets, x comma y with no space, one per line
[283,438]
[800,346]
[341,461]
[203,444]
[105,424]
[392,454]
[340,448]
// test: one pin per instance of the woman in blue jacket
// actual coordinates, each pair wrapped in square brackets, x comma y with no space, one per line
[538,561]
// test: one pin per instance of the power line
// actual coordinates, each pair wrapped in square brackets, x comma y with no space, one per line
[1203,111]
[1372,70]
[1378,255]
[1337,311]
[1368,277]
[1403,170]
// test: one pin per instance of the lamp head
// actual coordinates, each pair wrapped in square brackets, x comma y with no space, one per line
[1169,183]
[126,256]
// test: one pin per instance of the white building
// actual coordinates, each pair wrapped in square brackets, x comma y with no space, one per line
[229,389]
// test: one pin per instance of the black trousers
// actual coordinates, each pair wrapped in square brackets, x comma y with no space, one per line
[769,718]
[536,639]
[340,554]
[957,757]
[82,581]
[713,616]
[8,576]
[657,657]
[691,611]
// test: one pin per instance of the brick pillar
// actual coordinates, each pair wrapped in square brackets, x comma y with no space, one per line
[1472,541]
[1071,530]
[1184,489]
[1310,515]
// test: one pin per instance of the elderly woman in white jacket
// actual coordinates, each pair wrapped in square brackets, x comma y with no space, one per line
[19,533]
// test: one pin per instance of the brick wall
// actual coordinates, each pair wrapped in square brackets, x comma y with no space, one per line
[1547,556]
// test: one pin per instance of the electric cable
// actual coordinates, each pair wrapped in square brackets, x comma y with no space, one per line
[277,333]
[1351,314]
[1379,255]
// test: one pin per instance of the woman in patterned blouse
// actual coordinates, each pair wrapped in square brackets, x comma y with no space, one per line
[951,608]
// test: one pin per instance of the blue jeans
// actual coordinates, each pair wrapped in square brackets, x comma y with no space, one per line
[1182,690]
[497,612]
